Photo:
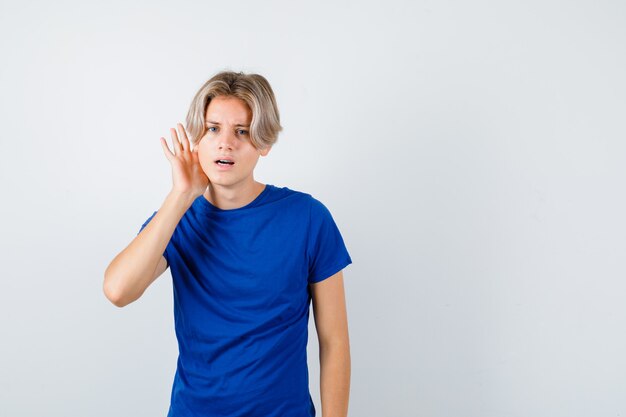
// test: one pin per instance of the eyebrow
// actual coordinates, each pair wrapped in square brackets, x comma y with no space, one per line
[217,123]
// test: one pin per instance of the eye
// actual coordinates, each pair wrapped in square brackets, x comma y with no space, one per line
[244,132]
[211,127]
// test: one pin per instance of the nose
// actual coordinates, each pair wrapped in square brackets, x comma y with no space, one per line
[227,141]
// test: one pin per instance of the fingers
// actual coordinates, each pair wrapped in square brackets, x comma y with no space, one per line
[183,134]
[178,148]
[166,150]
[179,145]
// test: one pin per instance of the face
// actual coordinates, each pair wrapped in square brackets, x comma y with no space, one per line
[228,137]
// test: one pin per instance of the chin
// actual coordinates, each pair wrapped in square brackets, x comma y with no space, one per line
[224,182]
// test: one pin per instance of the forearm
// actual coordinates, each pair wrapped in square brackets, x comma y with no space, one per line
[335,378]
[131,271]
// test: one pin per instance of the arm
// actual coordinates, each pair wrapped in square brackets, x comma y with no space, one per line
[141,262]
[329,311]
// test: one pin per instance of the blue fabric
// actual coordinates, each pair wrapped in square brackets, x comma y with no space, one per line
[241,303]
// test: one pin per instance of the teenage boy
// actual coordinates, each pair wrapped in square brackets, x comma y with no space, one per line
[246,259]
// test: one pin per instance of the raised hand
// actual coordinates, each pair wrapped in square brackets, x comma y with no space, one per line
[187,175]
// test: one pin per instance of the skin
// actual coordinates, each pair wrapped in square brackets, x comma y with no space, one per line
[195,173]
[236,187]
[331,323]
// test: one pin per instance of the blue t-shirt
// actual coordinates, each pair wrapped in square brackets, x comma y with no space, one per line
[241,303]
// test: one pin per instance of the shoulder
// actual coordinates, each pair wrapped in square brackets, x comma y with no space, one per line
[296,197]
[302,203]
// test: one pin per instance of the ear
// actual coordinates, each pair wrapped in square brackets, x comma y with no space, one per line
[265,151]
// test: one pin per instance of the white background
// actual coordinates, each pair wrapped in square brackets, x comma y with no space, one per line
[471,153]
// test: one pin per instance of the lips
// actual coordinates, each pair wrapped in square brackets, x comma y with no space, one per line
[224,161]
[224,164]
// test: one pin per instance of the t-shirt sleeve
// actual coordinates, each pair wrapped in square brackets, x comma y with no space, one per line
[165,254]
[326,252]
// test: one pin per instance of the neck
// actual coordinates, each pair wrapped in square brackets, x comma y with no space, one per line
[233,197]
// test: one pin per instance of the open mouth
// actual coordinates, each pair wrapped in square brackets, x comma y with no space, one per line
[224,162]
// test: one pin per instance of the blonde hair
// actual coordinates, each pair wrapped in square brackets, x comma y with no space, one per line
[254,90]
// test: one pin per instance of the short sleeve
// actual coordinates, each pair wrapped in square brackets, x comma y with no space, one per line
[165,254]
[326,252]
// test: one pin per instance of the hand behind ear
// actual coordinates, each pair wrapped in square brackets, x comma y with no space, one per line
[187,175]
